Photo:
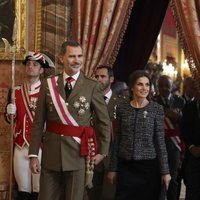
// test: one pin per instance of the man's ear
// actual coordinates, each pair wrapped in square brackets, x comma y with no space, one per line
[60,59]
[41,70]
[111,79]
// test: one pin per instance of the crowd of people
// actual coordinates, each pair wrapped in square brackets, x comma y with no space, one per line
[77,138]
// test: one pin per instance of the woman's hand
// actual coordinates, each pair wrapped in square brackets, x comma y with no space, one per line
[112,177]
[165,179]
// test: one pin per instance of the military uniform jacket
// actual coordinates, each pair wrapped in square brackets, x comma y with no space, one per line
[114,101]
[112,105]
[62,153]
[23,120]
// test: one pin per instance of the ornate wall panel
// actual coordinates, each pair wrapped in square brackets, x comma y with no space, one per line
[26,12]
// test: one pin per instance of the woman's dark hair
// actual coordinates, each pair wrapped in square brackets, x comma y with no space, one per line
[134,77]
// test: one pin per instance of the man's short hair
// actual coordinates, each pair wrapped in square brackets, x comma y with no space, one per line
[71,43]
[109,69]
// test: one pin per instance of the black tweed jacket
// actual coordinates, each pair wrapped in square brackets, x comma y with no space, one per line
[140,135]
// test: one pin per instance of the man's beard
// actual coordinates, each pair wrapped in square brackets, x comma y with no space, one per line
[105,86]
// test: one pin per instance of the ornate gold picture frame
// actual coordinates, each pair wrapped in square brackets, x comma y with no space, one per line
[18,32]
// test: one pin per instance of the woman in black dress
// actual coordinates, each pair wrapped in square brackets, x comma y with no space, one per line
[139,163]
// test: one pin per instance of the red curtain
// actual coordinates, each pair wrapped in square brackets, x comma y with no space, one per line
[186,14]
[99,26]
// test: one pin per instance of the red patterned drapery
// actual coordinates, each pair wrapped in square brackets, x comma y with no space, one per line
[186,14]
[99,26]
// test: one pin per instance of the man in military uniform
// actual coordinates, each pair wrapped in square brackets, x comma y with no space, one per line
[23,110]
[103,189]
[66,104]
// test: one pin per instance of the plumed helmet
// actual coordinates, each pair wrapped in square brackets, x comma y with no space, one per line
[38,57]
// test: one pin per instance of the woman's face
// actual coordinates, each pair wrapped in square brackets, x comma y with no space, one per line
[141,88]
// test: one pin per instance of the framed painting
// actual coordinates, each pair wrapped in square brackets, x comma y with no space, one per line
[13,15]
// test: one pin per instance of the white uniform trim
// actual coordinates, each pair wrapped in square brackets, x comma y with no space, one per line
[60,105]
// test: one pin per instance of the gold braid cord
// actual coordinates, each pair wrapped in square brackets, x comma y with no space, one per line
[90,163]
[188,55]
[113,56]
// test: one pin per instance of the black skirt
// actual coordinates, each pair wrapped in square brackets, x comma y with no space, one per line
[138,180]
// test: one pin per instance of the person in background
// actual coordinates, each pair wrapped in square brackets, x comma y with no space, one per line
[173,106]
[23,110]
[102,189]
[190,127]
[66,104]
[139,163]
[121,89]
[188,94]
[189,90]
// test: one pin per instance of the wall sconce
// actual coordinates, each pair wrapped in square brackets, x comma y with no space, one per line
[169,70]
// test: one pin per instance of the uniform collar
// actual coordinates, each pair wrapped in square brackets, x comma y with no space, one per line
[108,94]
[75,76]
[36,85]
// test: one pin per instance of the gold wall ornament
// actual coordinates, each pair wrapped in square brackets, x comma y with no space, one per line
[38,26]
[6,49]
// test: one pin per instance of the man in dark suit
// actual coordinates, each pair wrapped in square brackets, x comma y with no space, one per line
[69,147]
[190,127]
[188,95]
[173,106]
[188,89]
[103,189]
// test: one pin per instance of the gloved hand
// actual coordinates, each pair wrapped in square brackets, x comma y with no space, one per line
[11,109]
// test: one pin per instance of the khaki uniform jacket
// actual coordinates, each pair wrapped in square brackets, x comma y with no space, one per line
[62,153]
[114,101]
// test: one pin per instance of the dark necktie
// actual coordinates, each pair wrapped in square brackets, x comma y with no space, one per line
[106,99]
[68,86]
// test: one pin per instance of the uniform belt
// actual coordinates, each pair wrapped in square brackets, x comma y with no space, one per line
[88,146]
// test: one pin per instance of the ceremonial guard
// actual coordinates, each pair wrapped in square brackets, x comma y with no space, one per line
[23,110]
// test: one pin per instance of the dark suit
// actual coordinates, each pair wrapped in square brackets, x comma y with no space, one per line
[61,154]
[190,126]
[103,189]
[174,155]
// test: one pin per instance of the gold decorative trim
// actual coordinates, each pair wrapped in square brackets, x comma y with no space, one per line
[183,43]
[6,53]
[38,25]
